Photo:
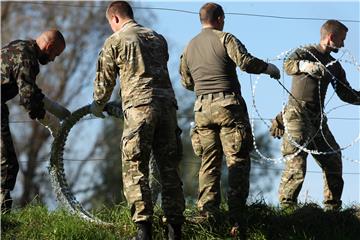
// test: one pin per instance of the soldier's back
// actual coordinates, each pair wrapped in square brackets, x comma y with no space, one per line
[15,56]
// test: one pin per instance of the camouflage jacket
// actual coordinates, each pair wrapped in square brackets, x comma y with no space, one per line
[19,68]
[139,56]
[306,88]
[208,63]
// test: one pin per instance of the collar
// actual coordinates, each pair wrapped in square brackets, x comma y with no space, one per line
[36,47]
[208,28]
[125,24]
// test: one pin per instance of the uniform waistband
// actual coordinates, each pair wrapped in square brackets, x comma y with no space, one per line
[217,95]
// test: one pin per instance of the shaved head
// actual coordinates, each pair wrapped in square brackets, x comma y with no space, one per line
[332,27]
[121,9]
[51,44]
[53,36]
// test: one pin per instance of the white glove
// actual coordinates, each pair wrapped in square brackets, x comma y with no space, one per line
[51,123]
[56,109]
[97,109]
[273,71]
[314,69]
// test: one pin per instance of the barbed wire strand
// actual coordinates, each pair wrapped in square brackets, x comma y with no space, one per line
[196,13]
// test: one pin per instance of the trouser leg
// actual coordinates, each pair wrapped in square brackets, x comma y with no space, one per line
[9,162]
[236,142]
[167,152]
[331,166]
[210,171]
[298,128]
[136,147]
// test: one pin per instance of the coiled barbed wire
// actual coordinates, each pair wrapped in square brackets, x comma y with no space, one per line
[309,139]
[322,114]
[56,168]
[257,150]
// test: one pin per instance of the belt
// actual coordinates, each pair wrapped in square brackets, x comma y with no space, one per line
[216,95]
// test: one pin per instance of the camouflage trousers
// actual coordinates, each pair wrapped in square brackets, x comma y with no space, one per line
[152,127]
[222,127]
[9,162]
[302,124]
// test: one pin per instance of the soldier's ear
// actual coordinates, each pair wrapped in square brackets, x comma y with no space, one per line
[49,46]
[116,19]
[331,37]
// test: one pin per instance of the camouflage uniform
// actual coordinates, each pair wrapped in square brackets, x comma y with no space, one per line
[302,118]
[139,55]
[221,118]
[19,68]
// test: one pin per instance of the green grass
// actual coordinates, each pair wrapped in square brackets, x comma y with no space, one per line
[263,222]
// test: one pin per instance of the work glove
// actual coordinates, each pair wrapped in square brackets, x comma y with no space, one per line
[50,122]
[56,109]
[314,69]
[97,109]
[273,71]
[277,128]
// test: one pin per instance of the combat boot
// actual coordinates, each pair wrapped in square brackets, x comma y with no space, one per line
[174,231]
[143,231]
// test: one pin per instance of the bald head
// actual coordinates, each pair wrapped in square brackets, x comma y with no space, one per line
[51,44]
[53,36]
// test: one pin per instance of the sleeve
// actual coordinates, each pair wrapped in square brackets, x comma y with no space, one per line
[31,96]
[343,89]
[239,54]
[106,73]
[166,47]
[291,64]
[186,78]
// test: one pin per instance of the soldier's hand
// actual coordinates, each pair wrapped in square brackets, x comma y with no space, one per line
[56,109]
[314,69]
[273,71]
[97,109]
[277,128]
[51,122]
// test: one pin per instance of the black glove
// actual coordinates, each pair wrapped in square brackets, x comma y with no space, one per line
[56,109]
[97,109]
[277,128]
[273,71]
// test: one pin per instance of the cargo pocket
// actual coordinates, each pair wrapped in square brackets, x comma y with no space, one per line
[131,149]
[195,141]
[243,138]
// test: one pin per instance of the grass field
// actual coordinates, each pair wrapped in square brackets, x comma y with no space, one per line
[263,222]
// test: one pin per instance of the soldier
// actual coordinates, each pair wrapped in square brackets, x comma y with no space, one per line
[19,67]
[311,66]
[208,67]
[139,55]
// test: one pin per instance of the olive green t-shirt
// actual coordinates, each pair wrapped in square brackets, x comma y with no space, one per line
[210,59]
